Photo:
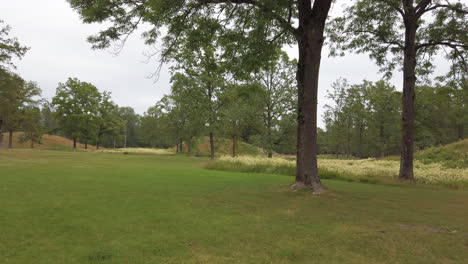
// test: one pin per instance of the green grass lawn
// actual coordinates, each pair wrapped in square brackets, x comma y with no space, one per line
[75,207]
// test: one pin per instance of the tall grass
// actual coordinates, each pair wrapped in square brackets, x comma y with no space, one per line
[368,170]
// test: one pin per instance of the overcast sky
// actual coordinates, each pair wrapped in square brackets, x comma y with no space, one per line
[59,50]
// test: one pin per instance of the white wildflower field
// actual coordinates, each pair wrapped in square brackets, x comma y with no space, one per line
[139,151]
[433,173]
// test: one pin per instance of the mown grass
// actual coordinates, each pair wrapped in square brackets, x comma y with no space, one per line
[80,207]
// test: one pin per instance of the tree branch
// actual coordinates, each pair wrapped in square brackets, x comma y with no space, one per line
[283,22]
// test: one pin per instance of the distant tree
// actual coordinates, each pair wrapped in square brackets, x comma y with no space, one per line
[151,129]
[31,125]
[76,106]
[9,47]
[413,32]
[188,113]
[240,109]
[49,122]
[131,130]
[337,117]
[383,106]
[361,121]
[16,95]
[108,120]
[202,80]
[278,99]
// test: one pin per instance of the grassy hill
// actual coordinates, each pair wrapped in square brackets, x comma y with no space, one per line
[47,142]
[454,155]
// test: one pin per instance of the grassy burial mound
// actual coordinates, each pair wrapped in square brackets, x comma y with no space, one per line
[453,155]
[91,207]
[223,147]
[47,142]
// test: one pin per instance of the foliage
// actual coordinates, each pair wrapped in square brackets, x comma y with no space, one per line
[32,126]
[18,102]
[361,121]
[77,107]
[377,27]
[9,47]
[277,99]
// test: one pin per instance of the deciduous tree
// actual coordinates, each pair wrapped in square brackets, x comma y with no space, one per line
[77,107]
[407,33]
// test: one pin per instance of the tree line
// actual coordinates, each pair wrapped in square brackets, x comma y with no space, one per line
[363,119]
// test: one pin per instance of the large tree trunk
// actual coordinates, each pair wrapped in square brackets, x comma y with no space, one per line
[212,150]
[310,39]
[74,142]
[409,83]
[10,138]
[1,134]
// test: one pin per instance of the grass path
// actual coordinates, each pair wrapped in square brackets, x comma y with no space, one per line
[75,207]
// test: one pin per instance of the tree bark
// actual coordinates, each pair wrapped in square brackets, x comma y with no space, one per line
[212,150]
[382,140]
[189,146]
[234,147]
[1,134]
[270,138]
[10,138]
[409,83]
[461,129]
[310,39]
[74,142]
[86,144]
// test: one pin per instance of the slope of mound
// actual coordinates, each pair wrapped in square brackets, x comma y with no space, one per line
[224,147]
[454,155]
[47,142]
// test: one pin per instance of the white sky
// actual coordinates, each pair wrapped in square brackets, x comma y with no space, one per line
[59,50]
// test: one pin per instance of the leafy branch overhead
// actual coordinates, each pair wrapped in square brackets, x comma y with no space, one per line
[377,27]
[172,21]
[9,47]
